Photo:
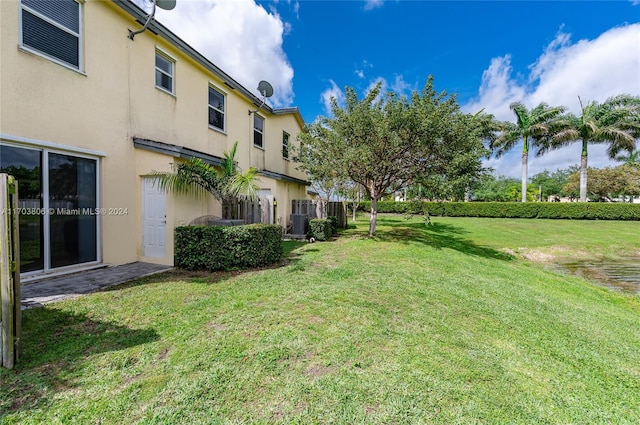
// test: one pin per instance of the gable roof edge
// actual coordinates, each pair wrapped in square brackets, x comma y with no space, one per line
[157,28]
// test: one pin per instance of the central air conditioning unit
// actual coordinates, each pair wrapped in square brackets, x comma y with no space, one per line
[300,223]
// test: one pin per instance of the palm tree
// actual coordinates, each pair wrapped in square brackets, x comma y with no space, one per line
[225,181]
[616,121]
[238,185]
[530,127]
[632,159]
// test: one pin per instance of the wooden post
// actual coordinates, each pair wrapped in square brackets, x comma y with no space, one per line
[15,242]
[10,314]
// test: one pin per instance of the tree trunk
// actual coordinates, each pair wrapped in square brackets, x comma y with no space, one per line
[525,164]
[583,176]
[374,216]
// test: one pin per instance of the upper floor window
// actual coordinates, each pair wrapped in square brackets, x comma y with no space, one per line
[258,131]
[285,145]
[216,109]
[52,28]
[164,72]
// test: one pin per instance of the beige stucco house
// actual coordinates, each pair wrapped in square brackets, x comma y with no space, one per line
[87,114]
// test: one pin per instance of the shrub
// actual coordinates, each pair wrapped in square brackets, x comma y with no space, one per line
[320,229]
[224,248]
[554,210]
[333,220]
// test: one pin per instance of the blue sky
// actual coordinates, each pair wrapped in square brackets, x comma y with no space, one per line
[489,53]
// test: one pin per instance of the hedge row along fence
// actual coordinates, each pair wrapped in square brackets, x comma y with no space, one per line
[555,210]
[215,248]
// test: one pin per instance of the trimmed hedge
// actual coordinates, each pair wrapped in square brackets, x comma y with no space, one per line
[555,210]
[320,228]
[215,248]
[334,224]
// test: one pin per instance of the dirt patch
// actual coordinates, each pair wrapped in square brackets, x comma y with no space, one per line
[549,255]
[372,409]
[27,395]
[217,326]
[315,319]
[163,354]
[318,371]
[27,400]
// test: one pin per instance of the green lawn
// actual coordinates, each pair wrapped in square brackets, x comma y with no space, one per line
[441,324]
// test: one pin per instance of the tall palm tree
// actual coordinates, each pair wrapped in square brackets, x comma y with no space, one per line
[530,127]
[616,121]
[224,182]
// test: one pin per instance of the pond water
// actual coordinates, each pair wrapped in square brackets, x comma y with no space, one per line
[621,274]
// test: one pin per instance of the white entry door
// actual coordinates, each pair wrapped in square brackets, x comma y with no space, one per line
[154,221]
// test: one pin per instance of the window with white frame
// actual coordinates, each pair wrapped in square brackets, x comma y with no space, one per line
[165,67]
[52,28]
[285,145]
[216,109]
[258,131]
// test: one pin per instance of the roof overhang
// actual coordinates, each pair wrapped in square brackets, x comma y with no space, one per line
[175,151]
[282,177]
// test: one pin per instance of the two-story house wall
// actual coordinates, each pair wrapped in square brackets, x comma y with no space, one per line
[88,114]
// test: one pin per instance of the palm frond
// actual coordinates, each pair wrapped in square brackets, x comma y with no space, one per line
[244,185]
[194,177]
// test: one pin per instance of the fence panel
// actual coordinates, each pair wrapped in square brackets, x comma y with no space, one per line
[258,211]
[316,209]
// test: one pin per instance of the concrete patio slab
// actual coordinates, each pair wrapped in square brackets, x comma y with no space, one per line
[36,294]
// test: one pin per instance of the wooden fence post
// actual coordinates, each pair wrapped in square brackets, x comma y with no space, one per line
[10,313]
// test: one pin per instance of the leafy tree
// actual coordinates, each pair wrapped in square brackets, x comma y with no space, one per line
[384,142]
[28,179]
[502,189]
[552,183]
[608,183]
[464,171]
[224,182]
[615,121]
[531,126]
[352,194]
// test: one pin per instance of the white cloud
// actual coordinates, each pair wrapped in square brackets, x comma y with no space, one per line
[372,4]
[592,69]
[497,90]
[334,92]
[240,37]
[361,68]
[401,87]
[398,86]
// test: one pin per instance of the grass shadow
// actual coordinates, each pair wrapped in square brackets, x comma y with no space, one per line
[56,344]
[433,234]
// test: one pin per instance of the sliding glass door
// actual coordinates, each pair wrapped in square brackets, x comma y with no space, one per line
[58,204]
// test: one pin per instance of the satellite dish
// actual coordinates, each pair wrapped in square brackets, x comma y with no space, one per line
[162,4]
[266,91]
[265,88]
[166,4]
